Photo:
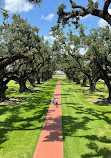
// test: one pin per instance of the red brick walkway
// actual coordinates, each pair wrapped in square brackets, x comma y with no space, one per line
[50,144]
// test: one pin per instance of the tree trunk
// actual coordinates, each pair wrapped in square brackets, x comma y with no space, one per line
[69,77]
[107,17]
[84,82]
[109,98]
[32,82]
[42,77]
[92,85]
[38,80]
[22,85]
[73,79]
[107,82]
[3,88]
[77,81]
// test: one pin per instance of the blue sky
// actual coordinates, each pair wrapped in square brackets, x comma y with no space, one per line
[44,17]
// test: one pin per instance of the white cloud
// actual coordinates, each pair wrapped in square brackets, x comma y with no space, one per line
[18,6]
[48,18]
[85,17]
[82,50]
[102,22]
[72,46]
[109,11]
[49,38]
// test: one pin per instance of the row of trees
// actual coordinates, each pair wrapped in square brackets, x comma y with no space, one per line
[94,64]
[23,55]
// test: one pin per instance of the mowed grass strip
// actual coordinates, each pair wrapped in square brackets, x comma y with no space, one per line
[21,124]
[86,125]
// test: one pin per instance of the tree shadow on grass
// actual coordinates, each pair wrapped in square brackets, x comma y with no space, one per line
[97,152]
[65,84]
[93,94]
[18,117]
[99,115]
[9,124]
[12,90]
[103,102]
[66,95]
[73,124]
[71,104]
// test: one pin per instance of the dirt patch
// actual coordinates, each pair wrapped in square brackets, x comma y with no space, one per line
[89,91]
[94,100]
[12,101]
[99,92]
[99,101]
[86,91]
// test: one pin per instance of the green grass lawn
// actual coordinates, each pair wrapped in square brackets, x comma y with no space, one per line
[21,124]
[86,125]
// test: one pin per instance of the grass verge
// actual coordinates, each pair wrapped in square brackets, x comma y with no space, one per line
[86,125]
[21,124]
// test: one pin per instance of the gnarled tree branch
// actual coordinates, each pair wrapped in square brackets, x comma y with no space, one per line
[65,17]
[106,6]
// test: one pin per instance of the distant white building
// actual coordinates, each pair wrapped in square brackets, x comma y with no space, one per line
[58,72]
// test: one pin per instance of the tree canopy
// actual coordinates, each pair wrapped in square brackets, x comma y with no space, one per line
[23,53]
[94,64]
